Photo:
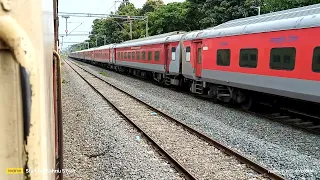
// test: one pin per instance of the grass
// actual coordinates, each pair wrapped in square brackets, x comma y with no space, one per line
[64,81]
[103,74]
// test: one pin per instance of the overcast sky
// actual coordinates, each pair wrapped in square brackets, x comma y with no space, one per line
[88,6]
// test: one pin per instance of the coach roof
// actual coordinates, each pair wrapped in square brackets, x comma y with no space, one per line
[303,17]
[109,46]
[162,38]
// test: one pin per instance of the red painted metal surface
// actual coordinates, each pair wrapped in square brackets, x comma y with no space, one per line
[153,48]
[198,59]
[305,41]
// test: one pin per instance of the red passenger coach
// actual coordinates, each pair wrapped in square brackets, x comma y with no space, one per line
[275,54]
[103,54]
[89,54]
[251,54]
[156,55]
[144,57]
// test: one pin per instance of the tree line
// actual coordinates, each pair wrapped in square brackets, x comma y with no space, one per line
[178,16]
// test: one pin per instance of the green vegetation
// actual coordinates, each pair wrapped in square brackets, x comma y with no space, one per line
[64,81]
[103,74]
[184,16]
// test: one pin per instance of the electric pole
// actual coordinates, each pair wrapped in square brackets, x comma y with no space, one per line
[66,17]
[115,6]
[147,25]
[130,27]
[258,8]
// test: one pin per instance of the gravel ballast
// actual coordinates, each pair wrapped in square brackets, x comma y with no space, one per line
[200,158]
[288,151]
[98,143]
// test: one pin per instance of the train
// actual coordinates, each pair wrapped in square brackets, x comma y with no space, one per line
[272,58]
[30,94]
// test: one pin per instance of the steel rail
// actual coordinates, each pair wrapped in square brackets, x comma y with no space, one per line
[173,161]
[250,163]
[289,120]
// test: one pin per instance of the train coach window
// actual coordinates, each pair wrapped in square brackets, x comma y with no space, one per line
[143,55]
[133,55]
[138,55]
[118,55]
[121,55]
[282,58]
[129,55]
[157,55]
[199,55]
[223,57]
[248,58]
[149,55]
[188,51]
[316,60]
[173,54]
[125,55]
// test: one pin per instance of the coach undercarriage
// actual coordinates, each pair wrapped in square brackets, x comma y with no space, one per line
[167,79]
[249,100]
[222,93]
[162,78]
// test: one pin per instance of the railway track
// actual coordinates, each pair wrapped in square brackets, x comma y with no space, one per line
[302,121]
[194,154]
[286,116]
[290,117]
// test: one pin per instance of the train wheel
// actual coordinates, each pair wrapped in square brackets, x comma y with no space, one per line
[212,93]
[247,104]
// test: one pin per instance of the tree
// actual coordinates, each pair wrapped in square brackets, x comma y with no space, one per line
[128,9]
[171,17]
[220,11]
[278,5]
[76,47]
[151,6]
[115,30]
[137,27]
[97,29]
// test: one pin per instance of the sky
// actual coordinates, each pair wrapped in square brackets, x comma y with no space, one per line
[82,25]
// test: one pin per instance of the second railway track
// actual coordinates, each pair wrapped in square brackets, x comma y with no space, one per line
[305,122]
[193,153]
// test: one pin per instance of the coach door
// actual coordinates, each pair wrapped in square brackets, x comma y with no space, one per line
[112,58]
[167,57]
[198,62]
